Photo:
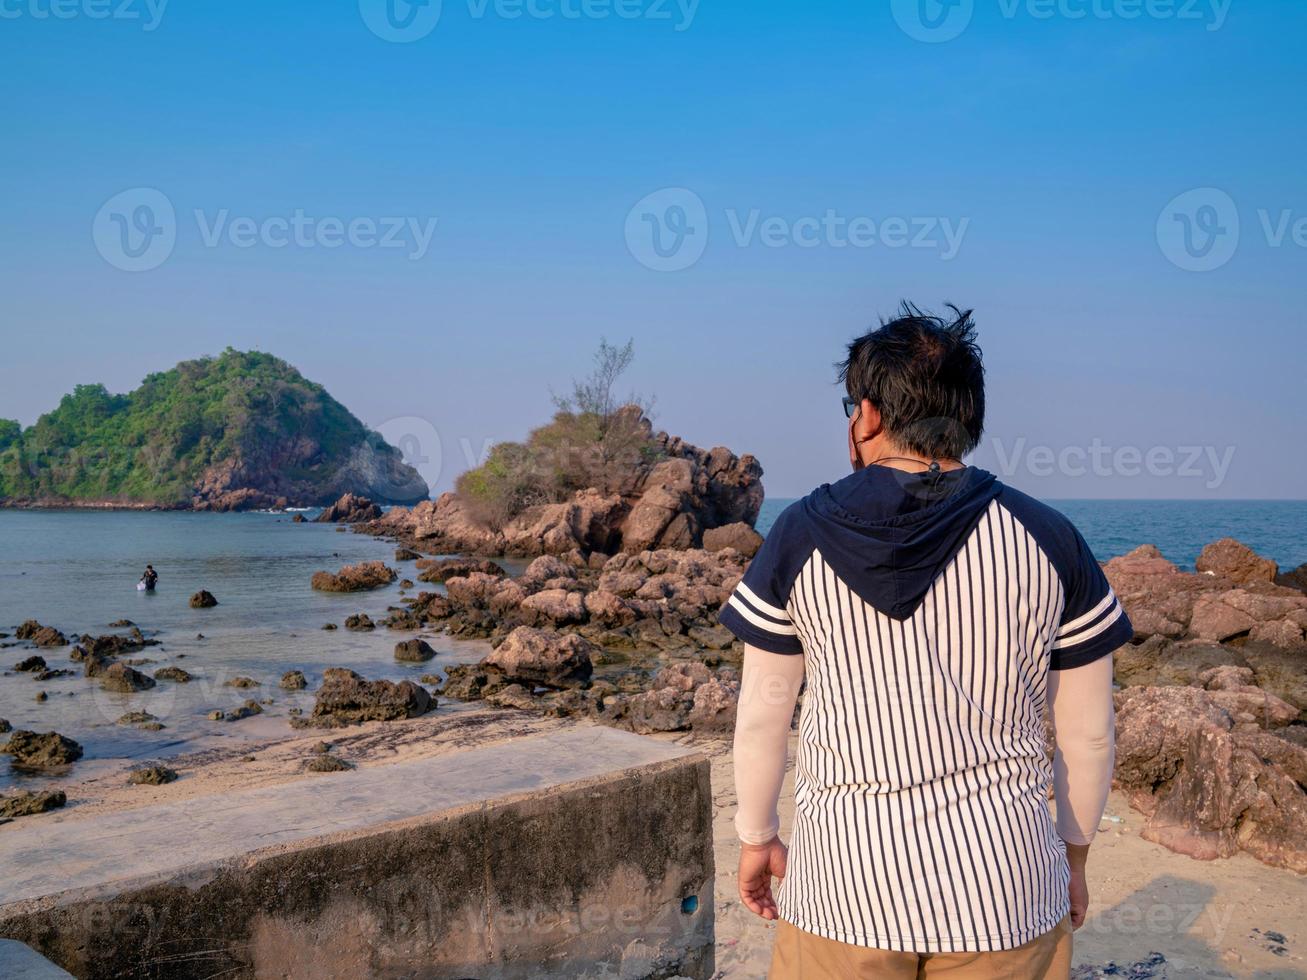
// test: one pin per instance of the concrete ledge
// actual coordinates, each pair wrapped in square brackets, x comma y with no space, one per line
[582,853]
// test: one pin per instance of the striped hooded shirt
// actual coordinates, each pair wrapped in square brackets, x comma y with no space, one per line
[929,610]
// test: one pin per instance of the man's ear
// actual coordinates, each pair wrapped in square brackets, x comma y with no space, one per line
[867,424]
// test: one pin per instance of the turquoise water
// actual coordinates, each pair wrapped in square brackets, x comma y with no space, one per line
[1273,528]
[77,571]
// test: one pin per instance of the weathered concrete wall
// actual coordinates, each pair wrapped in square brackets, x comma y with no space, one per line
[605,876]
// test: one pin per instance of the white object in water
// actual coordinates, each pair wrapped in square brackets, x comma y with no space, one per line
[140,586]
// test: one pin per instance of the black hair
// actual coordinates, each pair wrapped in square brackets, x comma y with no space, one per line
[926,377]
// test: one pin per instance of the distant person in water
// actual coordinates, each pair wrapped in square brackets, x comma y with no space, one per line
[150,578]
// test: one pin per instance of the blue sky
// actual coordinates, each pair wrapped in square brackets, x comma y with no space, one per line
[825,161]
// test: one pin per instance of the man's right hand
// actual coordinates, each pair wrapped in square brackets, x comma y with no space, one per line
[1077,855]
[759,863]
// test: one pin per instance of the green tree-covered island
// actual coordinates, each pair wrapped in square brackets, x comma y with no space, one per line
[237,431]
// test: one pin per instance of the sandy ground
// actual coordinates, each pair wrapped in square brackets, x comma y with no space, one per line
[1208,919]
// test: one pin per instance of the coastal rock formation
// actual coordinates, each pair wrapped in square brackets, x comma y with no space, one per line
[439,569]
[175,674]
[740,536]
[349,509]
[203,600]
[40,636]
[30,665]
[672,496]
[355,578]
[1211,771]
[123,679]
[535,656]
[1234,560]
[152,776]
[346,698]
[1164,601]
[656,600]
[33,750]
[293,680]
[27,804]
[414,651]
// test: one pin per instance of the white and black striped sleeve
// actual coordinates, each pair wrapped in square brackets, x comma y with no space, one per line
[756,610]
[1093,621]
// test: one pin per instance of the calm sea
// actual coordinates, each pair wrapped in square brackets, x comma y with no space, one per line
[1180,528]
[77,571]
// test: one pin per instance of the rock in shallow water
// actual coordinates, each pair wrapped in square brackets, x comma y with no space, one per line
[414,651]
[346,698]
[293,680]
[49,750]
[355,578]
[203,600]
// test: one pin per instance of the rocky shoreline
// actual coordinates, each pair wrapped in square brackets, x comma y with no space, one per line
[614,620]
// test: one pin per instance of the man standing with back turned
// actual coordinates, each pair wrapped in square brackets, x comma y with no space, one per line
[936,616]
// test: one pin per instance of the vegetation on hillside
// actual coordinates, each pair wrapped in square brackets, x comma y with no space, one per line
[596,439]
[155,444]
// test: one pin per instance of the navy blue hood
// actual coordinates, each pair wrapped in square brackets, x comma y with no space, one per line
[888,534]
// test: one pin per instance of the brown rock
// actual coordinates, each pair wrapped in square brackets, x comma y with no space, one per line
[1215,619]
[1236,561]
[739,536]
[124,679]
[355,578]
[50,750]
[555,607]
[27,804]
[324,762]
[293,680]
[359,622]
[152,776]
[1209,783]
[536,656]
[414,651]
[40,636]
[349,509]
[441,569]
[203,600]
[1294,578]
[346,698]
[175,674]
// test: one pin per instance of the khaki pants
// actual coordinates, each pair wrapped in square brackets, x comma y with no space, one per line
[799,955]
